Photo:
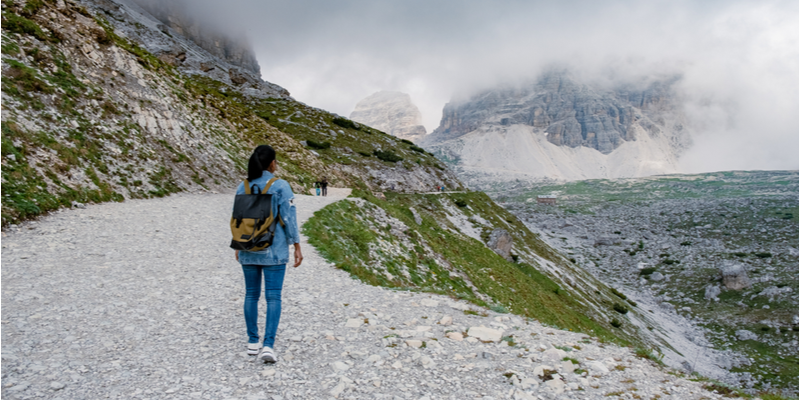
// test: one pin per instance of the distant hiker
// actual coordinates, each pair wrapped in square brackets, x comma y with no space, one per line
[270,262]
[317,185]
[324,184]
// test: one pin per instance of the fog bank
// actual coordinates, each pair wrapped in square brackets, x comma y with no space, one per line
[738,59]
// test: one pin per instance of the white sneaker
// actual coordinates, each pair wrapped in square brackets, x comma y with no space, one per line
[267,355]
[253,349]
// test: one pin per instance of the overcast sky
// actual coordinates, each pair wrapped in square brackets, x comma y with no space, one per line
[738,59]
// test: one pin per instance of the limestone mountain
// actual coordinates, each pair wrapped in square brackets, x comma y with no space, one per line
[391,112]
[559,127]
[100,103]
[176,17]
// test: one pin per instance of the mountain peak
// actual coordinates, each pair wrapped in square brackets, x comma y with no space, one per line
[391,112]
[558,126]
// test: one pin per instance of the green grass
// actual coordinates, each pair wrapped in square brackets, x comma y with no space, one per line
[18,24]
[346,235]
[26,192]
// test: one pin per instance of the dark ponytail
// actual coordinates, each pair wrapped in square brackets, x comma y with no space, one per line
[262,157]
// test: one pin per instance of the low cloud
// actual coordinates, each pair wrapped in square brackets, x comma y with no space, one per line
[738,59]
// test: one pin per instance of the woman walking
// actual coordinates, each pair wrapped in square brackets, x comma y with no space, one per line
[270,263]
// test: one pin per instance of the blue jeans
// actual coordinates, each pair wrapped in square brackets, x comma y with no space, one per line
[273,285]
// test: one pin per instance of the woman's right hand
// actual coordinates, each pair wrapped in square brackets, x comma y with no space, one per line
[237,255]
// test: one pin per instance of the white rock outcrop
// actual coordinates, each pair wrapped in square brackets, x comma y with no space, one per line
[391,112]
[485,334]
[734,276]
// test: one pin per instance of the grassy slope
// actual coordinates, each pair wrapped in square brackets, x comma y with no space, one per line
[349,236]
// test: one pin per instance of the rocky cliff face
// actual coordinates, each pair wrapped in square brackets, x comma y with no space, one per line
[391,112]
[175,16]
[572,130]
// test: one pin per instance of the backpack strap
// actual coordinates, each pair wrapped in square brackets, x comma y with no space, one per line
[269,184]
[248,189]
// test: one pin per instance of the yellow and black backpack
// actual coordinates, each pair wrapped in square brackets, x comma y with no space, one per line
[252,223]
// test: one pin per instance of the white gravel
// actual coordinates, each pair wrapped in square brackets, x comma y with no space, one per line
[143,300]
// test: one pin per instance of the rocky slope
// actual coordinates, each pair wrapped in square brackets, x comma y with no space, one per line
[716,253]
[558,127]
[391,112]
[99,104]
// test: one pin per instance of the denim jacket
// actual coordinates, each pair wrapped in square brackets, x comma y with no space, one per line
[285,235]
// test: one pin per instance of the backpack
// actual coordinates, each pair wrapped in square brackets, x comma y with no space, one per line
[252,222]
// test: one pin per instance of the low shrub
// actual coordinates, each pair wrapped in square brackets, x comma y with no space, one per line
[763,255]
[618,294]
[647,271]
[387,156]
[620,308]
[615,323]
[461,203]
[317,145]
[346,123]
[417,149]
[365,154]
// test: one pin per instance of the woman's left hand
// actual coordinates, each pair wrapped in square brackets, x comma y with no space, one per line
[298,255]
[237,255]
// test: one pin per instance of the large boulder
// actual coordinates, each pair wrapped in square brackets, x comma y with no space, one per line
[500,241]
[734,276]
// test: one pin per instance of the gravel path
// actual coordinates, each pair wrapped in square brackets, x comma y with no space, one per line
[143,300]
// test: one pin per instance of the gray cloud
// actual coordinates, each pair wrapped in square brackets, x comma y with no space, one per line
[738,59]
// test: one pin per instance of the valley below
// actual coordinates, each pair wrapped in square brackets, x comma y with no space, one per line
[713,253]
